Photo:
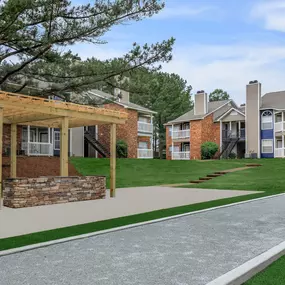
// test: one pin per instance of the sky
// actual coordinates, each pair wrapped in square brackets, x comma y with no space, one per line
[219,43]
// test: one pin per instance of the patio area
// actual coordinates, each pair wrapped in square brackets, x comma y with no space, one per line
[128,201]
[25,111]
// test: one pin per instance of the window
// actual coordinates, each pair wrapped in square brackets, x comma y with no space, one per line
[266,120]
[56,140]
[267,146]
[143,145]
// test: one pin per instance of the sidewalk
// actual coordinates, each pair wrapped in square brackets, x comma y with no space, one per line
[128,201]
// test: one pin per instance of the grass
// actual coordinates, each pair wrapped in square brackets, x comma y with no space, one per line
[272,275]
[134,172]
[146,172]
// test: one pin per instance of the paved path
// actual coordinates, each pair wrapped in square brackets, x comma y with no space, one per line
[128,201]
[190,250]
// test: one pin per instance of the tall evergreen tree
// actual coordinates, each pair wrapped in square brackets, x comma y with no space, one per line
[34,35]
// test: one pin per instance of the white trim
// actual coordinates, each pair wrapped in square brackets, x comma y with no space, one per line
[28,149]
[205,103]
[172,145]
[272,144]
[221,136]
[194,104]
[230,110]
[48,243]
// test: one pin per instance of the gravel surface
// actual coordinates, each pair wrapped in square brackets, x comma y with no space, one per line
[191,250]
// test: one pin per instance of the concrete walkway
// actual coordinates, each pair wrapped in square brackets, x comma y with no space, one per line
[128,201]
[190,250]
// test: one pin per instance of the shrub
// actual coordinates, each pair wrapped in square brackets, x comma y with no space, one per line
[232,155]
[122,149]
[208,150]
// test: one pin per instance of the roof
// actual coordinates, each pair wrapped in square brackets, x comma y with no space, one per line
[128,105]
[27,110]
[273,100]
[212,107]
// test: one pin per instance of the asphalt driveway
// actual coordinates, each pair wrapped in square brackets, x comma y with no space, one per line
[190,250]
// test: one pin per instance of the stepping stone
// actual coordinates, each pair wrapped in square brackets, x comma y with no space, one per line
[214,175]
[196,181]
[205,178]
[220,172]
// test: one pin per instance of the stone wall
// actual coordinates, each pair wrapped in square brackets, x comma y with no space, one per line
[29,192]
[127,132]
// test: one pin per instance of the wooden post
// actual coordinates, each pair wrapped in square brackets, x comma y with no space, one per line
[1,147]
[64,147]
[113,160]
[13,167]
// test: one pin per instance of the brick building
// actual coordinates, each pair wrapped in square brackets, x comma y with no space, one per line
[186,134]
[137,132]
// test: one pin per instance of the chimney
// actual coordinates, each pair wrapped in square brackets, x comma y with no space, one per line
[123,96]
[252,119]
[200,103]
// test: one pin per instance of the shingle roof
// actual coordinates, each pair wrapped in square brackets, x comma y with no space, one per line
[129,105]
[189,116]
[273,100]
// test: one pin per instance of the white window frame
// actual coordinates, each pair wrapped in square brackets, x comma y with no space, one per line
[266,118]
[263,142]
[55,139]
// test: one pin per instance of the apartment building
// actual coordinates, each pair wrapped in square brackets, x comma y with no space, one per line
[254,129]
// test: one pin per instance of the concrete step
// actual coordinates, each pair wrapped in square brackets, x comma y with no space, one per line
[196,181]
[214,175]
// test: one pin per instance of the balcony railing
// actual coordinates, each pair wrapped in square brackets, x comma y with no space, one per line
[181,155]
[145,153]
[279,126]
[227,134]
[279,152]
[145,127]
[38,148]
[181,134]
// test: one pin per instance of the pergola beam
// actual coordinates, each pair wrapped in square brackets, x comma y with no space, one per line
[29,118]
[64,147]
[113,160]
[1,150]
[13,166]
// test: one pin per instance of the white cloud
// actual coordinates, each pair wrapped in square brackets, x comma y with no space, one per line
[271,13]
[230,67]
[181,11]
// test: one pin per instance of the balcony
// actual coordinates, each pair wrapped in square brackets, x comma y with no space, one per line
[181,155]
[145,127]
[145,153]
[228,135]
[279,152]
[279,127]
[181,134]
[37,148]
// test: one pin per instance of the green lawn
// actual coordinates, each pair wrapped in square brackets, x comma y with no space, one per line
[145,172]
[272,275]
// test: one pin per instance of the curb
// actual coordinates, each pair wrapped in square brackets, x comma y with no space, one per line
[247,270]
[53,242]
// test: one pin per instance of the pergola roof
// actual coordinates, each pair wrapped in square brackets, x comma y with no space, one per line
[27,110]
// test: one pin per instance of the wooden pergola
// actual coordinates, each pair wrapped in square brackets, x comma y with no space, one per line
[18,109]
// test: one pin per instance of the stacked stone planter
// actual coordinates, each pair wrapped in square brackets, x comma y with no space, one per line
[29,192]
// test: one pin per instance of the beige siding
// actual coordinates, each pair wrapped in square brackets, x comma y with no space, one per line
[78,141]
[231,118]
[253,92]
[200,101]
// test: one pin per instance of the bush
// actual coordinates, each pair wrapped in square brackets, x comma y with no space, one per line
[122,149]
[232,155]
[208,150]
